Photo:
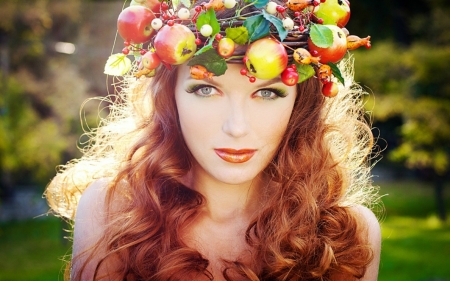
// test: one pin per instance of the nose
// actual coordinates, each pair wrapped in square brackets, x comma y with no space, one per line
[236,120]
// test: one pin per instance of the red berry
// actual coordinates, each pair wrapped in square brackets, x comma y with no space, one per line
[316,3]
[320,21]
[301,28]
[165,16]
[142,52]
[218,36]
[322,1]
[244,71]
[296,14]
[280,9]
[125,51]
[293,66]
[164,6]
[198,41]
[198,9]
[126,43]
[170,22]
[252,79]
[245,59]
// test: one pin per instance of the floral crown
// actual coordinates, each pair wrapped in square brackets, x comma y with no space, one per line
[293,40]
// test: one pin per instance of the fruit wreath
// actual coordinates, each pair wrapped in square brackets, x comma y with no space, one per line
[293,39]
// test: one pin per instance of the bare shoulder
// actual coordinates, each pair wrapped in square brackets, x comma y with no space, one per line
[92,202]
[369,222]
[366,218]
[89,224]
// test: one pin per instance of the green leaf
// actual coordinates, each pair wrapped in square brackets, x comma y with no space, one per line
[205,48]
[208,17]
[278,23]
[175,3]
[238,34]
[321,36]
[305,71]
[211,60]
[117,65]
[260,3]
[336,72]
[257,26]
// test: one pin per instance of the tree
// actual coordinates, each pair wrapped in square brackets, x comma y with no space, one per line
[412,83]
[41,90]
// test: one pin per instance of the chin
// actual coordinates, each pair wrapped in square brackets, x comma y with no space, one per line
[238,175]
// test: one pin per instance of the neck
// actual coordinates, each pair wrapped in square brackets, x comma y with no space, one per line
[228,202]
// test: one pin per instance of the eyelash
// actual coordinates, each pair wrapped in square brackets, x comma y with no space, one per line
[196,88]
[278,92]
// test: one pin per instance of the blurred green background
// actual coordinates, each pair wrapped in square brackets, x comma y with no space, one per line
[52,55]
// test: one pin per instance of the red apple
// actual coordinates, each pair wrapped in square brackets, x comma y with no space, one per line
[330,89]
[266,58]
[336,51]
[225,48]
[289,76]
[153,5]
[174,44]
[336,12]
[149,61]
[135,24]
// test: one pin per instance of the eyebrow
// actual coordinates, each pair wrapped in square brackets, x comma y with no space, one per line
[219,85]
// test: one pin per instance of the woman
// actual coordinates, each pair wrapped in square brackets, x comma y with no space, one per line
[220,178]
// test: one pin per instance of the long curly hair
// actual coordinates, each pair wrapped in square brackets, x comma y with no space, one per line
[305,231]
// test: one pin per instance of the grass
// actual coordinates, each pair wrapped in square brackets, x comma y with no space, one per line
[415,249]
[416,245]
[32,250]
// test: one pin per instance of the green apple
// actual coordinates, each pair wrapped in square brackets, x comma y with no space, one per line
[266,58]
[336,12]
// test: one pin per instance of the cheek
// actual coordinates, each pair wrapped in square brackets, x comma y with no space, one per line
[196,124]
[276,130]
[275,124]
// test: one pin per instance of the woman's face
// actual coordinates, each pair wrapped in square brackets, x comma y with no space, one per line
[231,126]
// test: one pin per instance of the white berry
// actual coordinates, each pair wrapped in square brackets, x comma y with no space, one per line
[229,4]
[157,24]
[183,14]
[271,8]
[206,30]
[288,23]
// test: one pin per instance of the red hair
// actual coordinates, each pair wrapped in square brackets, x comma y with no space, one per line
[306,230]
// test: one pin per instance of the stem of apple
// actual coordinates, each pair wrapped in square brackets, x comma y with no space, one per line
[234,57]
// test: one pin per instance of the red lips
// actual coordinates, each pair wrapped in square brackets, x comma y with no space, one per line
[235,155]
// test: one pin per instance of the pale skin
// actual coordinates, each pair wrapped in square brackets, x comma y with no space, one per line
[237,118]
